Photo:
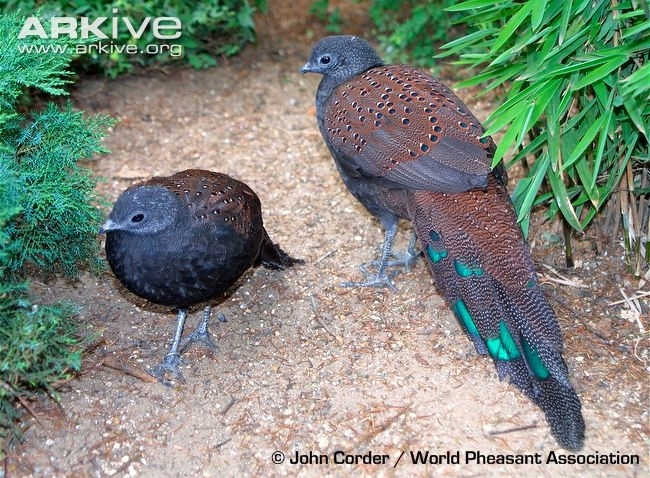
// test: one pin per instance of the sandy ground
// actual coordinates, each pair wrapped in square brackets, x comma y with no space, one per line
[304,364]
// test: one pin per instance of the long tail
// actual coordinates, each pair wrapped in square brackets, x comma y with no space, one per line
[482,266]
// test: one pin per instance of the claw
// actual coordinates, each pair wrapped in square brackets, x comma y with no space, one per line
[172,361]
[201,334]
[379,280]
[407,258]
[169,366]
[403,259]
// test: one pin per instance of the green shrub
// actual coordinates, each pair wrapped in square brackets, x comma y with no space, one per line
[48,218]
[57,228]
[330,16]
[39,346]
[577,102]
[409,31]
[209,29]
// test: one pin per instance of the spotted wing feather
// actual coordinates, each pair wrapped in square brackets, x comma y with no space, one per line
[403,128]
[216,197]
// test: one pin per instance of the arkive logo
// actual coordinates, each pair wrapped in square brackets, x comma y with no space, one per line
[162,28]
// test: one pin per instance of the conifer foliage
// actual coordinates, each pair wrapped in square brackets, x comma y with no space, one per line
[49,219]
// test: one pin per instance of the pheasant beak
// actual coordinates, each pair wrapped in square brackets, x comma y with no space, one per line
[108,226]
[307,68]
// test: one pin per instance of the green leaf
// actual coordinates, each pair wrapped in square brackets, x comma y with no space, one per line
[469,5]
[562,199]
[528,187]
[600,147]
[600,72]
[638,29]
[525,108]
[498,76]
[591,133]
[564,20]
[463,42]
[588,180]
[634,108]
[537,13]
[533,148]
[509,138]
[511,26]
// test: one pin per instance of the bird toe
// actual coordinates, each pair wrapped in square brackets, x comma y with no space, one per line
[168,369]
[378,280]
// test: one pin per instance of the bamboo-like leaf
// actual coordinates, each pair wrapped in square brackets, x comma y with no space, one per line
[520,44]
[577,66]
[565,52]
[550,42]
[588,179]
[517,104]
[527,120]
[511,26]
[600,72]
[487,15]
[553,131]
[589,217]
[638,29]
[527,189]
[469,5]
[562,199]
[507,140]
[603,95]
[536,107]
[637,83]
[544,96]
[600,146]
[499,76]
[455,46]
[564,20]
[525,226]
[531,149]
[585,142]
[634,110]
[580,121]
[561,109]
[537,13]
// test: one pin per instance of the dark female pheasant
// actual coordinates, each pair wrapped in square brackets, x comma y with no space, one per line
[407,147]
[185,239]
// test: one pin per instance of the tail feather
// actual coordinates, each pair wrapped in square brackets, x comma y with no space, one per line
[482,266]
[273,257]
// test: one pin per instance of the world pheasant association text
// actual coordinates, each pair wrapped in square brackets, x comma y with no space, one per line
[551,458]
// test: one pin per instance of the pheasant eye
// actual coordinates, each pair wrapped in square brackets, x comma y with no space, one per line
[324,60]
[137,218]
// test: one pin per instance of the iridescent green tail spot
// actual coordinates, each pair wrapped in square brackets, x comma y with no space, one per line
[435,255]
[502,346]
[460,309]
[534,361]
[465,270]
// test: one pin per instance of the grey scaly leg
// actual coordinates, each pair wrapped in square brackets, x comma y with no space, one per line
[381,278]
[407,258]
[201,334]
[172,361]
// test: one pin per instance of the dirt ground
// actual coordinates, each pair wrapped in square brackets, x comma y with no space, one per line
[304,364]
